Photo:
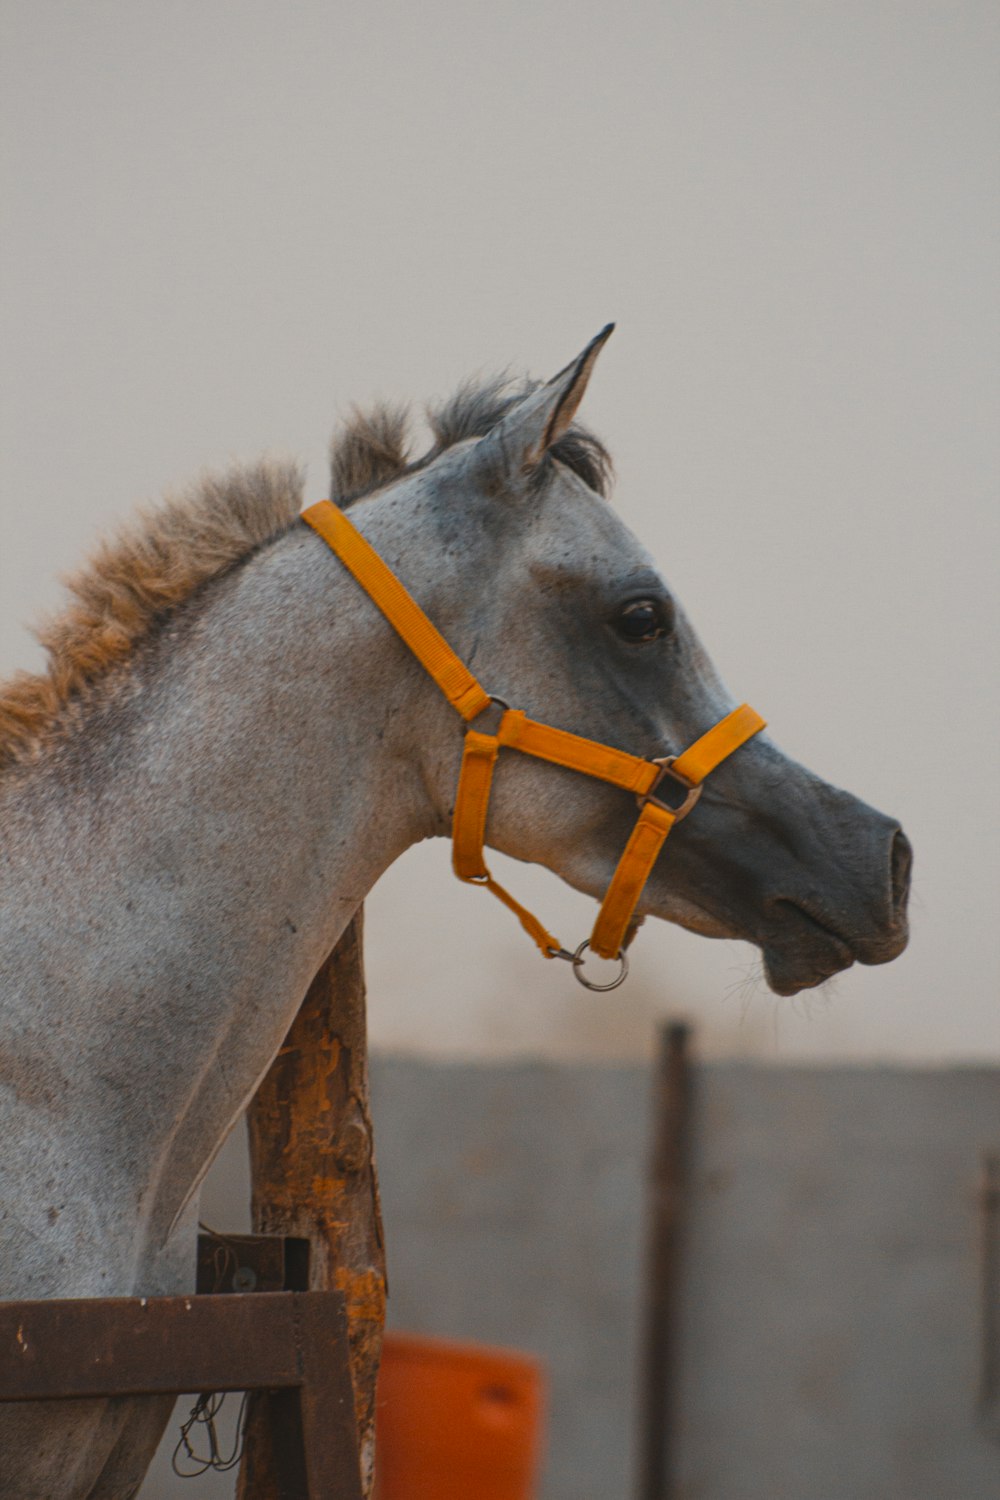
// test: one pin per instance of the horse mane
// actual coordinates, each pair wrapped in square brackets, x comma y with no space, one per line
[371,449]
[163,556]
[136,577]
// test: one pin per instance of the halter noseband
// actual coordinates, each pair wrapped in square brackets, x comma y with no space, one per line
[515,731]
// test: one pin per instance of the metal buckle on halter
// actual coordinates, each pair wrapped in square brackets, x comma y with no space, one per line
[692,788]
[576,959]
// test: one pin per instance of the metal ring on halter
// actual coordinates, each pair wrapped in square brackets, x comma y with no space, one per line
[501,703]
[576,960]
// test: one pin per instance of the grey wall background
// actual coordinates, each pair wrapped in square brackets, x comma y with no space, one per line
[831,1330]
[224,220]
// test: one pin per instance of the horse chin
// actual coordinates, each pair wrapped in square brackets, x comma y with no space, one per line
[787,973]
[798,955]
[803,954]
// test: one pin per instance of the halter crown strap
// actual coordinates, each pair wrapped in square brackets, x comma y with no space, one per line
[403,612]
[557,746]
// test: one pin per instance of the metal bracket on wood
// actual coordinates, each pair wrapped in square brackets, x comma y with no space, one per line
[291,1344]
[252,1263]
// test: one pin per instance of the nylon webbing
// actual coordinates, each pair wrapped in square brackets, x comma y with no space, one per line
[472,802]
[517,732]
[562,748]
[655,822]
[402,611]
[634,869]
[721,740]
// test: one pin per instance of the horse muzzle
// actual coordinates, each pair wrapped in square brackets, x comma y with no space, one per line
[814,877]
[859,915]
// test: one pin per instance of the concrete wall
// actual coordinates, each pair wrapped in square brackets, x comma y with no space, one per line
[832,1305]
[830,1337]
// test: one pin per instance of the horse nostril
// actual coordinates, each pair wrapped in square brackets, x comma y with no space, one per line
[900,866]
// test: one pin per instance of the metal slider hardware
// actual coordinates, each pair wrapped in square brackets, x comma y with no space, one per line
[692,788]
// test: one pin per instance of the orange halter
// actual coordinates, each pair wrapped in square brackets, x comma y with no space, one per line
[516,731]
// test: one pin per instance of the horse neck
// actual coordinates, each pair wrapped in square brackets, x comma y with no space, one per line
[257,784]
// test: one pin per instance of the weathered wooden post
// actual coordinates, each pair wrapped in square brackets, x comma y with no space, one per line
[312,1165]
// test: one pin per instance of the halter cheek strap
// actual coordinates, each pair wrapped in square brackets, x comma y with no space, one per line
[515,731]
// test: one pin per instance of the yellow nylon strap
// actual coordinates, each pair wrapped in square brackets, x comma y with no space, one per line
[469,823]
[641,851]
[721,740]
[576,753]
[471,803]
[548,946]
[622,895]
[404,614]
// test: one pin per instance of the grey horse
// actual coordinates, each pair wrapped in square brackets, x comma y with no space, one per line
[228,748]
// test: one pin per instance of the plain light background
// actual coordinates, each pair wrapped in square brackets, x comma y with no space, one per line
[224,222]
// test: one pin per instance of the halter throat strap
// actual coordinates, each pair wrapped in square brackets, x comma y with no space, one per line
[646,779]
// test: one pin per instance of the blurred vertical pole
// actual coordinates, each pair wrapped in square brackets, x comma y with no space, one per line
[666,1214]
[312,1167]
[989,1245]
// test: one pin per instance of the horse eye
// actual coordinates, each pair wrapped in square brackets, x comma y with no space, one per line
[642,620]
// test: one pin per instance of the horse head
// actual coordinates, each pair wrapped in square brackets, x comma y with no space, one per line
[544,591]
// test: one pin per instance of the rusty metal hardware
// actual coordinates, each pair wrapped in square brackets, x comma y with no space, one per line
[252,1263]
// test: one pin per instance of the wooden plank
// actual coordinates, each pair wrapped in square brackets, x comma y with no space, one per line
[143,1346]
[289,1346]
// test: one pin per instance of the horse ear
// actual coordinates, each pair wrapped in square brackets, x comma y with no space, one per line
[534,424]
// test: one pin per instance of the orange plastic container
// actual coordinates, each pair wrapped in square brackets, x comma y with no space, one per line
[456,1421]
